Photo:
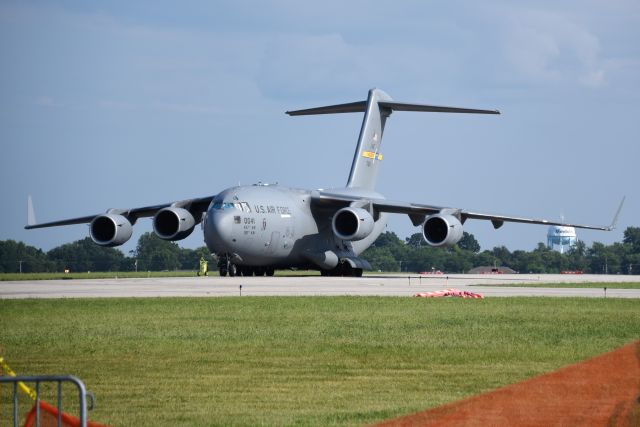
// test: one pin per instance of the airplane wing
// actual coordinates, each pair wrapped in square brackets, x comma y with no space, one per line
[198,205]
[418,212]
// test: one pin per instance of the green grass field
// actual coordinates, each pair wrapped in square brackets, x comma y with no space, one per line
[608,285]
[300,361]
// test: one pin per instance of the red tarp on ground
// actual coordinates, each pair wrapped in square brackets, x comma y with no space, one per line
[449,293]
[49,417]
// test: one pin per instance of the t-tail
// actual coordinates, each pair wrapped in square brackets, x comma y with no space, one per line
[377,108]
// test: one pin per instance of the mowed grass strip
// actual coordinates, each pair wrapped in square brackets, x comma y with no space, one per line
[300,360]
[600,285]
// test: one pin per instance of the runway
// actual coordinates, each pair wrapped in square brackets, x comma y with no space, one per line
[380,285]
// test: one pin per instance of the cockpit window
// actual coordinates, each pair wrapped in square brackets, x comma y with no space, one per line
[241,206]
[219,204]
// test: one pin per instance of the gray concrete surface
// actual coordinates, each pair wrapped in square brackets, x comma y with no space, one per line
[383,285]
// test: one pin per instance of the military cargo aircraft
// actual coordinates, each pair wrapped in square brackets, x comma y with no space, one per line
[256,229]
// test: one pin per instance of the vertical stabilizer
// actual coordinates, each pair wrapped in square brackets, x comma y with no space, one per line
[377,107]
[367,158]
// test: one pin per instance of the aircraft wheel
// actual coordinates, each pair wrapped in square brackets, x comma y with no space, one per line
[357,272]
[324,273]
[233,270]
[270,272]
[223,272]
[347,271]
[259,271]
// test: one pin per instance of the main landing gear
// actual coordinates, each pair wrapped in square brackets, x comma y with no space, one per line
[344,270]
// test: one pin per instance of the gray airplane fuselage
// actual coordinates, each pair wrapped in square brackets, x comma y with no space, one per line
[275,226]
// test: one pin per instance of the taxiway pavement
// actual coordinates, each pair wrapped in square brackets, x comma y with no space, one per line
[381,285]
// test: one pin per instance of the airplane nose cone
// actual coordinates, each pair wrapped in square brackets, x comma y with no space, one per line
[218,231]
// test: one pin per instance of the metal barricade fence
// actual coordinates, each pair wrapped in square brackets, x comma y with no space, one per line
[59,379]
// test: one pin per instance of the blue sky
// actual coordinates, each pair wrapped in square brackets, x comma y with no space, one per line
[125,104]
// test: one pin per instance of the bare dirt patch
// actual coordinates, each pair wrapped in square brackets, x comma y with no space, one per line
[602,391]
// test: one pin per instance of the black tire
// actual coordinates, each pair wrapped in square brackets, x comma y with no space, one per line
[357,272]
[346,270]
[233,270]
[223,272]
[270,272]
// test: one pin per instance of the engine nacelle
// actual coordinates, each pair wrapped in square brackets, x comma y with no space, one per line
[110,230]
[173,223]
[442,230]
[352,223]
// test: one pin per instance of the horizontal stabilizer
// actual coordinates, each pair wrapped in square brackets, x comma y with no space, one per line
[360,106]
[352,107]
[404,106]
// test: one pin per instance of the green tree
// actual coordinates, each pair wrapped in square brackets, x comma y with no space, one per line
[577,257]
[502,256]
[601,259]
[381,259]
[469,243]
[155,254]
[416,240]
[388,239]
[85,255]
[16,256]
[190,258]
[632,238]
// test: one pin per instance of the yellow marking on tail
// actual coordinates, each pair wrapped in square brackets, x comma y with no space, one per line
[371,155]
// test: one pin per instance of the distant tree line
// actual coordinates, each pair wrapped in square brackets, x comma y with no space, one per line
[388,253]
[151,254]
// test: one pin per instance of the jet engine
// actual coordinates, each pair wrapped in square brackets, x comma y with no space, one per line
[173,223]
[352,223]
[110,230]
[442,230]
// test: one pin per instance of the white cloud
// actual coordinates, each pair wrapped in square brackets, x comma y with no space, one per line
[546,46]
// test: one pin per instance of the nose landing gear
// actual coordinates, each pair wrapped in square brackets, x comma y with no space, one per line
[225,266]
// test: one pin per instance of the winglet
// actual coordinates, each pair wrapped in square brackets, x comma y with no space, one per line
[615,218]
[31,215]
